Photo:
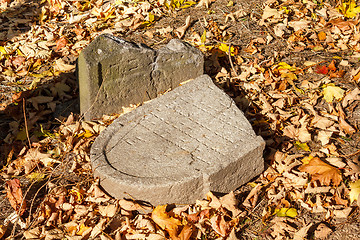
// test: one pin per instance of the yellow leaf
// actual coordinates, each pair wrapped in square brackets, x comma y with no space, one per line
[151,17]
[21,135]
[302,146]
[284,65]
[225,48]
[331,91]
[354,190]
[87,134]
[3,50]
[322,172]
[286,212]
[203,37]
[188,4]
[162,218]
[307,159]
[349,9]
[82,229]
[36,176]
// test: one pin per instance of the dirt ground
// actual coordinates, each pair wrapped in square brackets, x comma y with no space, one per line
[257,224]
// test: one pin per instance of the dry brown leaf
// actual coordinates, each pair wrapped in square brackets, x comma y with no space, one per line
[324,137]
[15,196]
[61,66]
[98,228]
[186,232]
[322,231]
[219,224]
[109,210]
[348,129]
[230,202]
[181,30]
[322,172]
[3,229]
[354,95]
[214,201]
[302,233]
[204,2]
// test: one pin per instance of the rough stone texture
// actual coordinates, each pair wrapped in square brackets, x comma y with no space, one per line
[114,73]
[178,147]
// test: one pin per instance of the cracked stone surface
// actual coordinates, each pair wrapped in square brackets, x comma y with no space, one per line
[114,73]
[178,147]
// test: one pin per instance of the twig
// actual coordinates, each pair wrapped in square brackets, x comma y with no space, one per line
[26,127]
[231,63]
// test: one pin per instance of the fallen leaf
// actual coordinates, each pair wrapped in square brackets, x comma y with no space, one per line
[98,228]
[331,91]
[302,146]
[186,232]
[354,95]
[61,43]
[324,137]
[205,3]
[270,12]
[15,196]
[322,172]
[286,212]
[219,224]
[3,229]
[342,213]
[302,233]
[345,126]
[61,66]
[109,210]
[162,218]
[354,191]
[331,66]
[322,36]
[230,202]
[322,70]
[181,30]
[348,8]
[322,231]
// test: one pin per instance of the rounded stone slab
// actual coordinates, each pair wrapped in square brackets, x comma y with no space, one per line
[178,147]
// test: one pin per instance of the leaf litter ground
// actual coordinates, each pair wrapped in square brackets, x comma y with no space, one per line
[291,66]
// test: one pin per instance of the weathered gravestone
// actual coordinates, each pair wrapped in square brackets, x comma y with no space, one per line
[178,147]
[114,73]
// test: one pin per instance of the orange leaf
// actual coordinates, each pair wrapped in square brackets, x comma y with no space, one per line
[14,194]
[331,66]
[162,218]
[321,36]
[61,43]
[322,171]
[322,70]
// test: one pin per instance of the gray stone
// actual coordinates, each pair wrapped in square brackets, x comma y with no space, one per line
[114,73]
[178,147]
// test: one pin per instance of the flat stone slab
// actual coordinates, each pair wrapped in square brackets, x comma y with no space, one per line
[178,147]
[114,73]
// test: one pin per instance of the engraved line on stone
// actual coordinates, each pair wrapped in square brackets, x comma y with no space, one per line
[176,127]
[177,145]
[182,114]
[218,112]
[221,111]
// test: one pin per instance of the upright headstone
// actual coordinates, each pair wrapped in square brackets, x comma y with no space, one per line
[178,147]
[114,73]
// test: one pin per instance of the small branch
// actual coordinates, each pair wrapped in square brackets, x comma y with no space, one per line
[26,126]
